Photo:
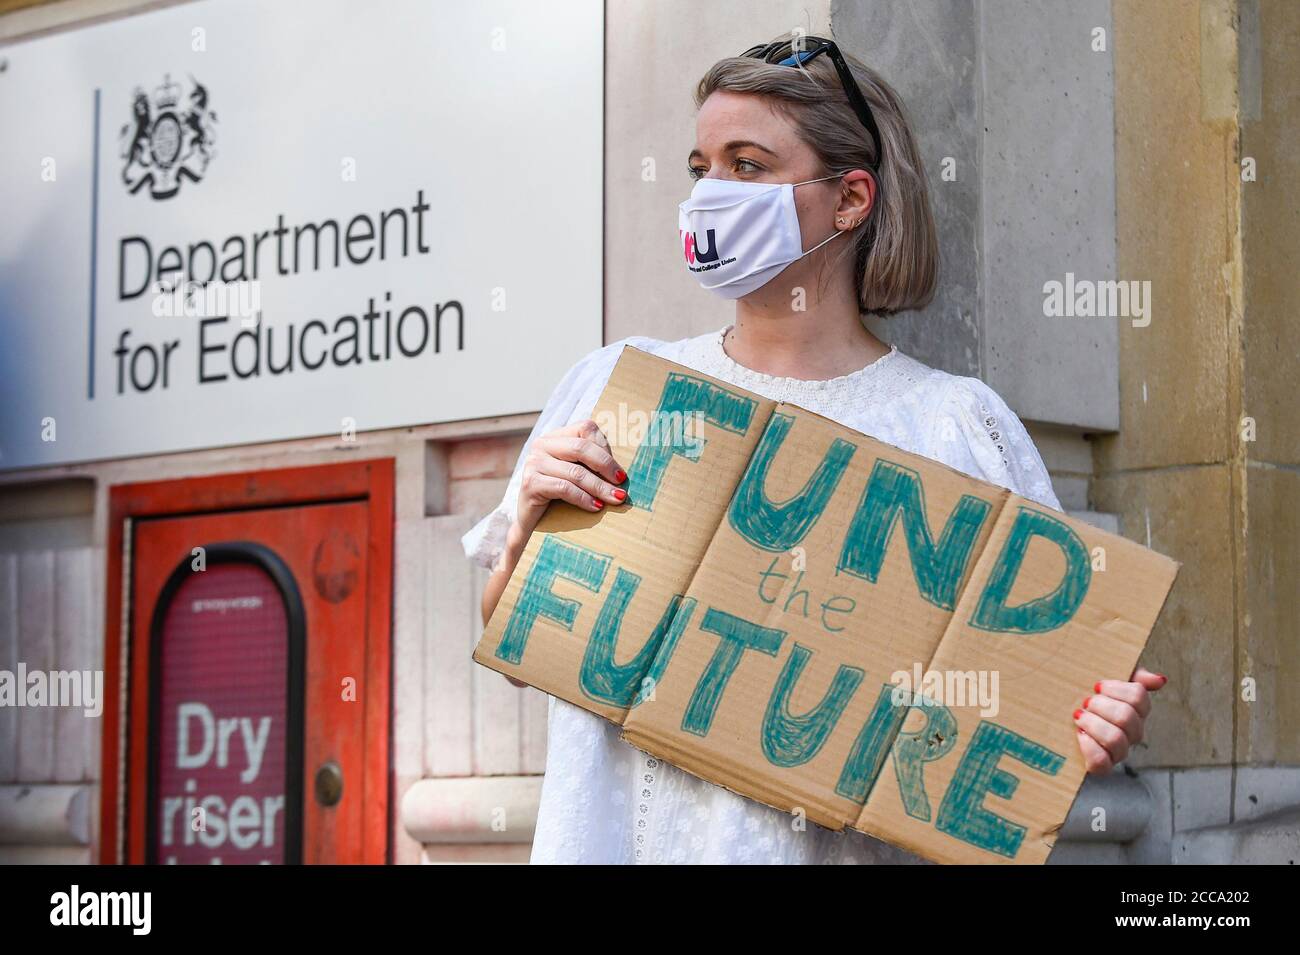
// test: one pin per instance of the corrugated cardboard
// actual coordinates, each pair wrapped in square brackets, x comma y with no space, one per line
[805,615]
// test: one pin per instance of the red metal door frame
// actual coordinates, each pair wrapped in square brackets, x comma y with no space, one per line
[371,480]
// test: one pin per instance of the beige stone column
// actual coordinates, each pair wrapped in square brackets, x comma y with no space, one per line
[1204,466]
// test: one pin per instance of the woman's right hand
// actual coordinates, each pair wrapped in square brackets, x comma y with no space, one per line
[571,464]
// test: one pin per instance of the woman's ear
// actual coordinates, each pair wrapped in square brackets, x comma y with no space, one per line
[857,198]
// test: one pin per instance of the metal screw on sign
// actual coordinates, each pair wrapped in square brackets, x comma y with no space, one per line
[329,784]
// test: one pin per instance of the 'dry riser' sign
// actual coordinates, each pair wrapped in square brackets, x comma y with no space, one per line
[828,624]
[220,786]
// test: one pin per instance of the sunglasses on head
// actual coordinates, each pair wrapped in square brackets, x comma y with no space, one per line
[800,51]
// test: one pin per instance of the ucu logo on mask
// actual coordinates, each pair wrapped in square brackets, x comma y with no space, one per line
[691,246]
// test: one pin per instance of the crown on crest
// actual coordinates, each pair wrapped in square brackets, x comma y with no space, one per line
[167,94]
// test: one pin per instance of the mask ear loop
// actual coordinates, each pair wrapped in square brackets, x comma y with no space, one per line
[833,235]
[822,179]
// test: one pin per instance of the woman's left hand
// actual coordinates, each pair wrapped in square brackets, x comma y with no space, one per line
[1110,721]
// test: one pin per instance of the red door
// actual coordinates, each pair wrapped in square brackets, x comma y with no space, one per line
[257,669]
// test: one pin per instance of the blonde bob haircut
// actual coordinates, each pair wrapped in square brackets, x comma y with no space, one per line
[896,249]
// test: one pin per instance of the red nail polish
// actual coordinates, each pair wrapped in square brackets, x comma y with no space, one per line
[599,504]
[1163,678]
[620,494]
[1096,687]
[1078,713]
[1086,702]
[620,476]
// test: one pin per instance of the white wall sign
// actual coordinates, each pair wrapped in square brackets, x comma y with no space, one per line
[395,210]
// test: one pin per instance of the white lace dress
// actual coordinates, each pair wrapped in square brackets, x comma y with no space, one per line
[604,801]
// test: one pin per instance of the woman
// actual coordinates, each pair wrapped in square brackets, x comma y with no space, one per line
[809,209]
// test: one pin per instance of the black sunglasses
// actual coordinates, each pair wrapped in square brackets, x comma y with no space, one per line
[784,53]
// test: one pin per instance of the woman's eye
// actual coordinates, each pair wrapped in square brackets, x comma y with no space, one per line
[746,166]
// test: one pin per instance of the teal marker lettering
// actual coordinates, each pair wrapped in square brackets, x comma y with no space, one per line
[606,681]
[914,749]
[737,635]
[683,396]
[962,813]
[778,527]
[555,559]
[790,740]
[1042,613]
[867,757]
[895,492]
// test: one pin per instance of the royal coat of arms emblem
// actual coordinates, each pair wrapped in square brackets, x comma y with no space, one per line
[167,140]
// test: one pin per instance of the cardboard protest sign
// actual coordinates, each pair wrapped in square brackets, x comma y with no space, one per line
[825,623]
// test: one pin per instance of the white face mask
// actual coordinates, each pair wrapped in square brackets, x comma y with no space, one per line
[737,236]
